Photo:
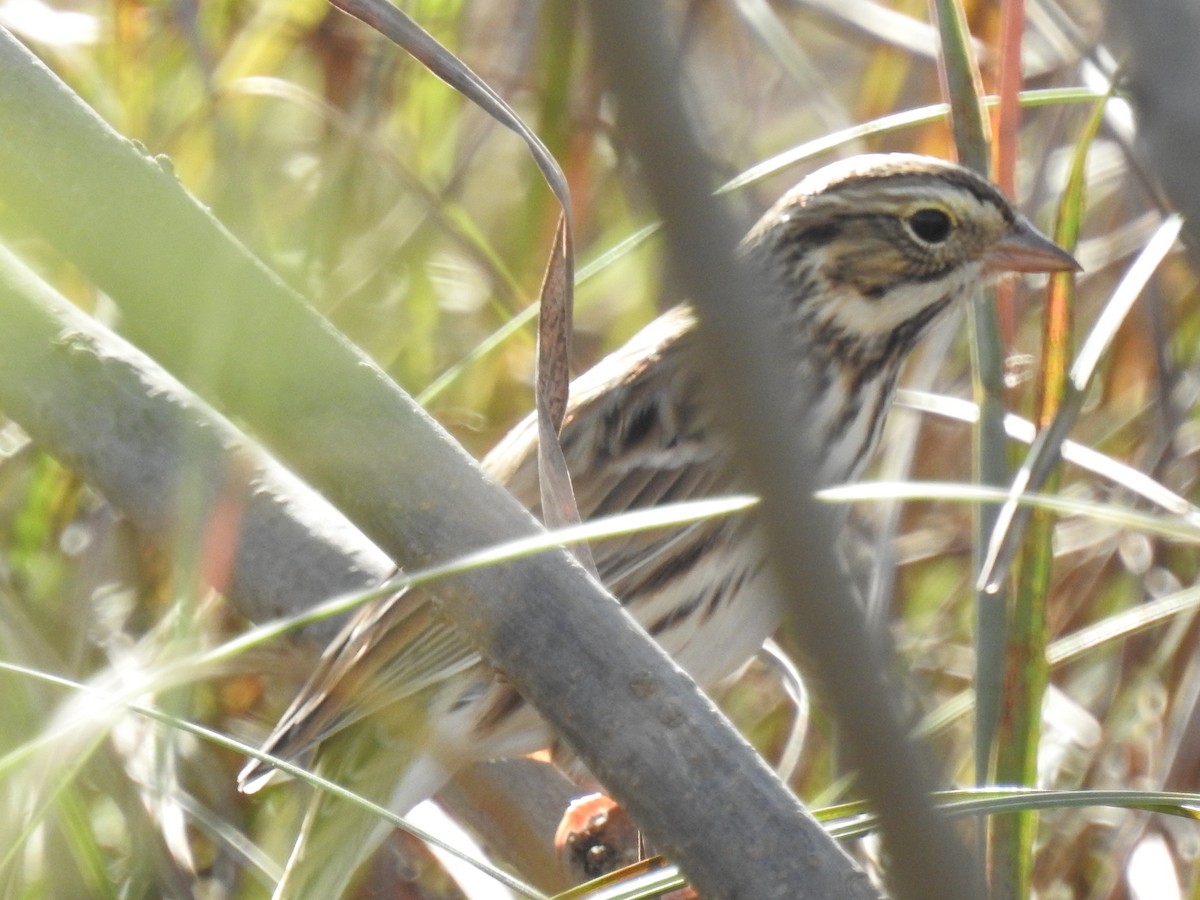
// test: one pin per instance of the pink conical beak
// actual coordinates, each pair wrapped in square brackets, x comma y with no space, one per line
[1025,249]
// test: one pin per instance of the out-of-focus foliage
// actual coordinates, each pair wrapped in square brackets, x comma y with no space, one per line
[419,228]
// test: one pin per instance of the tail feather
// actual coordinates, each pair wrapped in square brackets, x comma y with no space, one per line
[413,652]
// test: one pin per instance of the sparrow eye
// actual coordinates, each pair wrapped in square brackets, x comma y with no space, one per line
[930,225]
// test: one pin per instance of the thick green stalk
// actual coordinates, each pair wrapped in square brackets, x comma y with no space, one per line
[1027,670]
[963,89]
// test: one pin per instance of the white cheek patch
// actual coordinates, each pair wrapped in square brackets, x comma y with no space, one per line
[853,312]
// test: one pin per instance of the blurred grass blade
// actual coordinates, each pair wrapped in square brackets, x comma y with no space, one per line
[963,89]
[909,118]
[1056,324]
[665,516]
[1168,527]
[962,85]
[557,294]
[1119,473]
[785,671]
[1008,112]
[1123,298]
[995,801]
[882,23]
[407,34]
[524,317]
[1125,624]
[644,880]
[1006,116]
[1044,454]
[765,24]
[125,699]
[1026,668]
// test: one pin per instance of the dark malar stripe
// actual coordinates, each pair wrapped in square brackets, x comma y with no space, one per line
[871,361]
[901,339]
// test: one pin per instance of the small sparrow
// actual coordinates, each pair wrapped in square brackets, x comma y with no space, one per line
[859,261]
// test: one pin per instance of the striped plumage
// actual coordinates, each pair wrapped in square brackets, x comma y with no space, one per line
[860,260]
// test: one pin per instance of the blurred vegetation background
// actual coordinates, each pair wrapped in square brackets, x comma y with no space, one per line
[420,229]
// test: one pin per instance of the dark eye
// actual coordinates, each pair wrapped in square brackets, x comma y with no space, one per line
[930,225]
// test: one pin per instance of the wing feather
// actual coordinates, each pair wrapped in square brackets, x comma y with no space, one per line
[632,440]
